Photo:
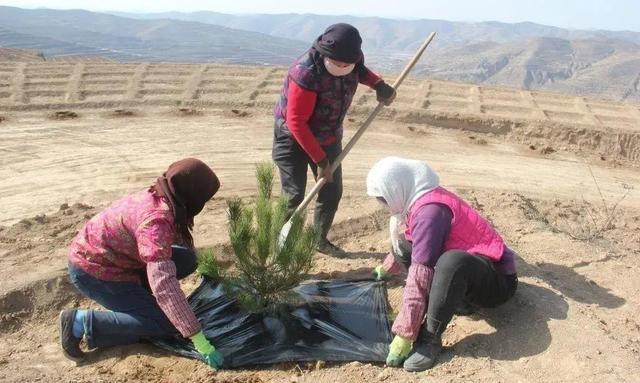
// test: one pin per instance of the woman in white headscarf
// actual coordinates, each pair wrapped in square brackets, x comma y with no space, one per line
[454,257]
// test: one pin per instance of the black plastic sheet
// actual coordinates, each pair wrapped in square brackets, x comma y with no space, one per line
[331,321]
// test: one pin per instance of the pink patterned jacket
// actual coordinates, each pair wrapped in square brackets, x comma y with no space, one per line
[133,234]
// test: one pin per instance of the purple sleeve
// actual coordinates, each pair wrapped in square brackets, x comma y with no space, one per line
[430,227]
[507,264]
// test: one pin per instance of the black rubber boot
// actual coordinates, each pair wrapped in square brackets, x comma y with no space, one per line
[466,309]
[326,247]
[70,344]
[425,351]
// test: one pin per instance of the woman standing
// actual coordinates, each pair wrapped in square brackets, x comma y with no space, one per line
[314,101]
[123,259]
[455,258]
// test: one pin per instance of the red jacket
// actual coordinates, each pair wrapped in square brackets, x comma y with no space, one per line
[312,104]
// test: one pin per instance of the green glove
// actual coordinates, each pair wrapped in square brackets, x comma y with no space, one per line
[379,273]
[212,357]
[399,349]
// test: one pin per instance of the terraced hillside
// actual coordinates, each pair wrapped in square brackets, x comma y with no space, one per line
[597,124]
[20,55]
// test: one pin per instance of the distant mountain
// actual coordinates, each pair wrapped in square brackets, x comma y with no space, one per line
[390,35]
[54,47]
[523,55]
[608,68]
[80,32]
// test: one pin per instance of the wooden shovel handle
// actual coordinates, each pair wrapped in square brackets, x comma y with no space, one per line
[321,182]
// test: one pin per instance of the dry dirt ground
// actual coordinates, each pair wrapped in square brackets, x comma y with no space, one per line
[539,166]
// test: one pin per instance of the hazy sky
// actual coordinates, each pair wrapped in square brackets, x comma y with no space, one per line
[588,14]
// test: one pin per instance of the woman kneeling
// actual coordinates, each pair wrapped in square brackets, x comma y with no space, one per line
[455,259]
[123,259]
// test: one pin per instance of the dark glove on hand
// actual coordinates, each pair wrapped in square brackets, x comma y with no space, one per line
[324,171]
[385,92]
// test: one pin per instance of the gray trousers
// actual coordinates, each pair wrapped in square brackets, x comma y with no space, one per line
[293,163]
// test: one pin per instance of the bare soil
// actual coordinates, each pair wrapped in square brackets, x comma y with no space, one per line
[542,183]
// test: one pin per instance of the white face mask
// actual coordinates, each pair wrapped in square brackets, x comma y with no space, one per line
[336,70]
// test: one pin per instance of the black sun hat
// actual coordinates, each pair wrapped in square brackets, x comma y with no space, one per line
[340,42]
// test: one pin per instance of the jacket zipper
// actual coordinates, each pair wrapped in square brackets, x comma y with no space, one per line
[342,112]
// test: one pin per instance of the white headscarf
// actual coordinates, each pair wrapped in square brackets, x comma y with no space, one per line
[400,182]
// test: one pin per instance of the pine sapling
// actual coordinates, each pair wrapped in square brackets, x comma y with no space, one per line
[266,272]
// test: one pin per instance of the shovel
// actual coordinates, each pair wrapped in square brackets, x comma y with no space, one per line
[284,233]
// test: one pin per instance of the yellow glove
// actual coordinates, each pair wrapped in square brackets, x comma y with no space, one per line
[399,349]
[378,273]
[209,353]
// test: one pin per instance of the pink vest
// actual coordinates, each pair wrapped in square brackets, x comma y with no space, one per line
[469,232]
